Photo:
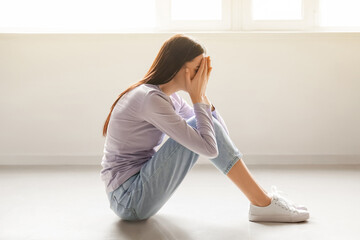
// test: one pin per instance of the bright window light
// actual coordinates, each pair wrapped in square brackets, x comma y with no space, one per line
[340,13]
[77,15]
[277,9]
[196,9]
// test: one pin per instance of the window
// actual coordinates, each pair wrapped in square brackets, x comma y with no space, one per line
[76,15]
[277,9]
[195,10]
[114,16]
[278,14]
[184,15]
[340,13]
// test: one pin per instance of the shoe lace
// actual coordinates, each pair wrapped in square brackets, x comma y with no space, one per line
[284,202]
[281,194]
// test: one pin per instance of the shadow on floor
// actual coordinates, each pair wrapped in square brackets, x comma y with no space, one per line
[157,227]
[165,227]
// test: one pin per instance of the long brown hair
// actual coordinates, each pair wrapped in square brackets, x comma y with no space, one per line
[174,53]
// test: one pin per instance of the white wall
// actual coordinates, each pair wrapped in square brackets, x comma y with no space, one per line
[286,97]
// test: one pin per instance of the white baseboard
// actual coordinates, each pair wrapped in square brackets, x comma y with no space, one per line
[248,159]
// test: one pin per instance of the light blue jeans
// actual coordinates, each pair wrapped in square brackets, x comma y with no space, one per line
[143,194]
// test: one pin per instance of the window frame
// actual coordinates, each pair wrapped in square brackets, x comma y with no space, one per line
[165,24]
[309,21]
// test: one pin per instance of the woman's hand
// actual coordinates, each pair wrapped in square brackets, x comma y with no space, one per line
[207,101]
[196,87]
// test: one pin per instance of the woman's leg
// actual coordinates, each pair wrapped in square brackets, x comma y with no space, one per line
[148,190]
[237,172]
[161,175]
[243,179]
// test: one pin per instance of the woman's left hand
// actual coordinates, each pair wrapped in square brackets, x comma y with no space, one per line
[207,101]
[209,71]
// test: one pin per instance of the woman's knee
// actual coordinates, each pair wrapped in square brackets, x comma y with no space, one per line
[218,127]
[216,122]
[192,122]
[220,132]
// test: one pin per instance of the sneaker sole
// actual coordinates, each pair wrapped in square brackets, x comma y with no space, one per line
[277,218]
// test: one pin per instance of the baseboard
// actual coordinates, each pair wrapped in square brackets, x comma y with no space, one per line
[251,159]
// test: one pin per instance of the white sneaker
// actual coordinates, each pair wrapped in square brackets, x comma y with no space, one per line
[274,191]
[278,210]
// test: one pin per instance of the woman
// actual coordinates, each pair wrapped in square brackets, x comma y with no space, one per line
[138,179]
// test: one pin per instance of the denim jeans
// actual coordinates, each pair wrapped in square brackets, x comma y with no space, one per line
[143,194]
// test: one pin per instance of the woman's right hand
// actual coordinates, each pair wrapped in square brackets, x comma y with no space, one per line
[196,87]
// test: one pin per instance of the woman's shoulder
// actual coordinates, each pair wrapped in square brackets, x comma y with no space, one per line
[143,91]
[153,91]
[155,97]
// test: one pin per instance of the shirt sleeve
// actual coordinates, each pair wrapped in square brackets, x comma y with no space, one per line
[158,111]
[186,111]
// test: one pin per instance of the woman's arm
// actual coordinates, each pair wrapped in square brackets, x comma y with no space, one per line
[186,111]
[208,102]
[159,112]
